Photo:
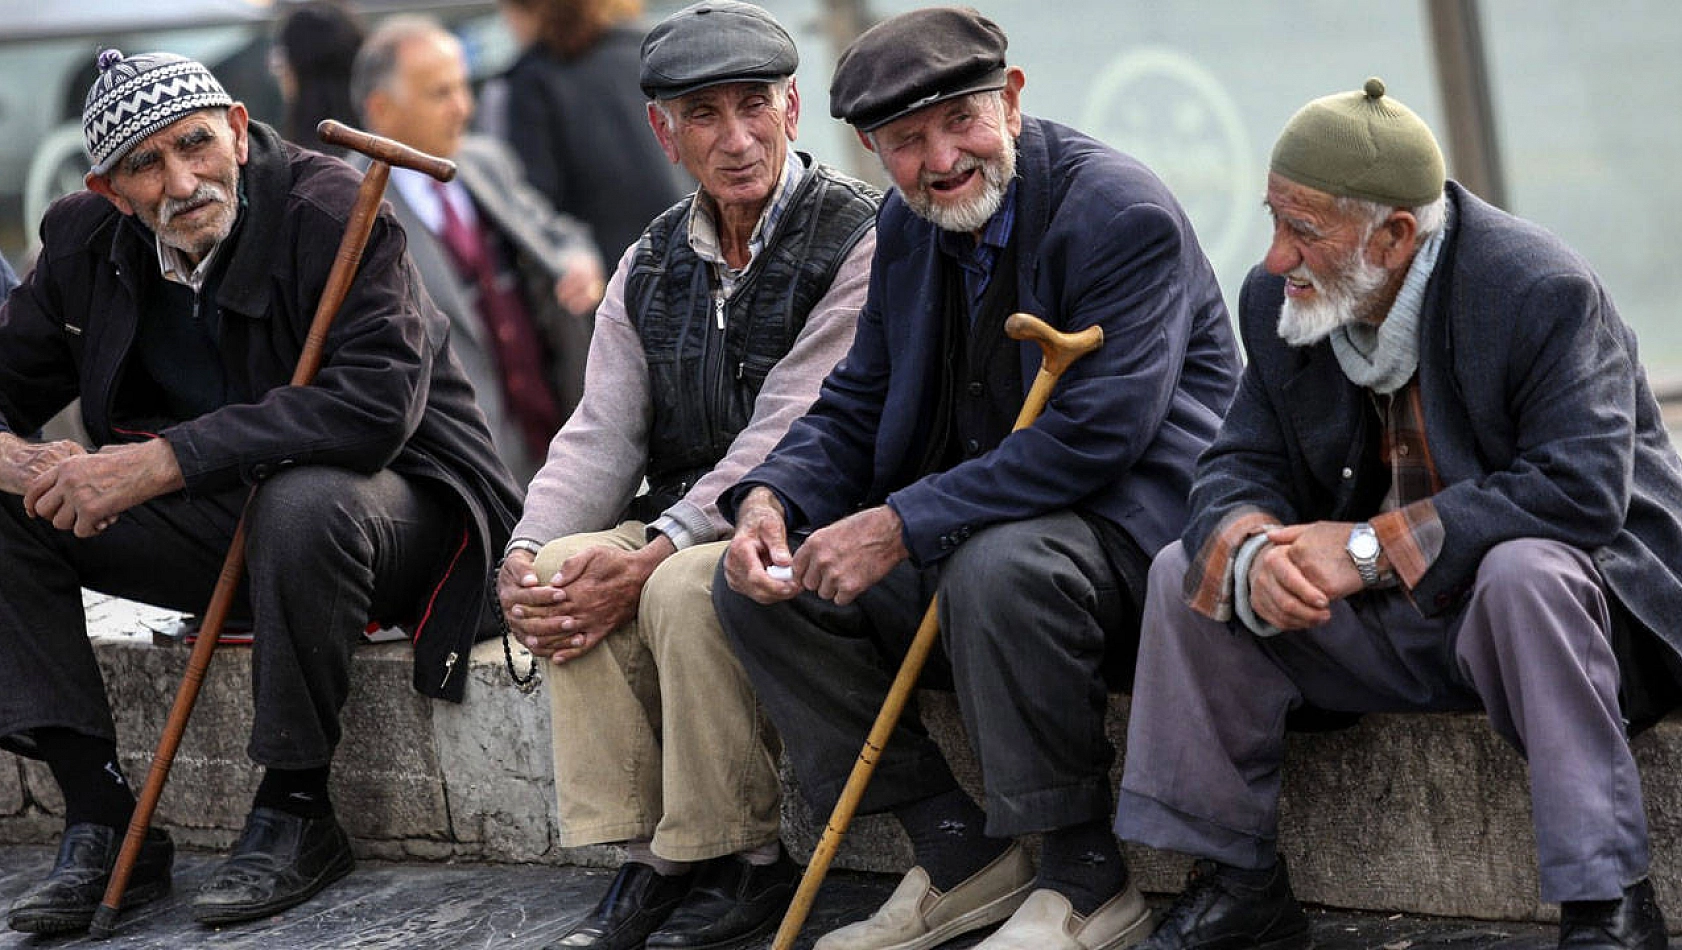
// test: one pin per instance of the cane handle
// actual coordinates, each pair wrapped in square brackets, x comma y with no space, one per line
[384,150]
[1058,348]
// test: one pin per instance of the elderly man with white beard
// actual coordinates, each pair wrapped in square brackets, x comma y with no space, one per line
[1443,485]
[904,479]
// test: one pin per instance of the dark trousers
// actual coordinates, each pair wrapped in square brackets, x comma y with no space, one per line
[327,550]
[1206,739]
[1025,608]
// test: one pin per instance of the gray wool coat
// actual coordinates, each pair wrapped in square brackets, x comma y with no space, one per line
[1538,416]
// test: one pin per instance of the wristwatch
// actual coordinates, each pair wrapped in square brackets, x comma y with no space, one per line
[1364,550]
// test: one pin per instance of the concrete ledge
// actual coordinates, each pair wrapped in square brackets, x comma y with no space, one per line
[1426,814]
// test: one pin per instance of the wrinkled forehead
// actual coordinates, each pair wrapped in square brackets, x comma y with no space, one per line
[180,133]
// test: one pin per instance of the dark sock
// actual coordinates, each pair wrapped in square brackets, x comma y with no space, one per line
[1083,863]
[301,792]
[947,836]
[86,770]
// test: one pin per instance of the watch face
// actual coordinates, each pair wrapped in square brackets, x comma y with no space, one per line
[1363,545]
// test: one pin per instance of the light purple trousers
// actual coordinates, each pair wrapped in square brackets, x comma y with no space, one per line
[1531,647]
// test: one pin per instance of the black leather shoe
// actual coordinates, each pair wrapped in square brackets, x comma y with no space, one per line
[1633,921]
[732,902]
[1227,908]
[639,900]
[67,898]
[280,861]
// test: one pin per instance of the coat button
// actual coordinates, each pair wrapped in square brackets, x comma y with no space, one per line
[1348,473]
[976,389]
[261,471]
[972,447]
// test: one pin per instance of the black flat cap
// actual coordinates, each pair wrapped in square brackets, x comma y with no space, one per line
[713,42]
[914,60]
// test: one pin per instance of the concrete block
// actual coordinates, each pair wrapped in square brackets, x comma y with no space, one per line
[497,771]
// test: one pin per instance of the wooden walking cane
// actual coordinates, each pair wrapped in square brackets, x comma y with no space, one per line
[1058,351]
[385,154]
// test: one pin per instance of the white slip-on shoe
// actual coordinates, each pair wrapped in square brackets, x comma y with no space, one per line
[917,916]
[1045,921]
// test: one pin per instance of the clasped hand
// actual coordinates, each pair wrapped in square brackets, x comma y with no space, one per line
[596,591]
[85,492]
[1306,567]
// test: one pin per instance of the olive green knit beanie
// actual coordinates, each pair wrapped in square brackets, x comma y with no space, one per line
[1362,145]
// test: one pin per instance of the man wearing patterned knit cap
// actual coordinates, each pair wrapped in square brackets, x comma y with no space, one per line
[1444,485]
[173,297]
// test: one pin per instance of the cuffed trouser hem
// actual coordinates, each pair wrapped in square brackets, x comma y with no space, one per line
[1152,823]
[1024,813]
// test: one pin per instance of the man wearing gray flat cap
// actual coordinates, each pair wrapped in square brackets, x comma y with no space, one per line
[714,335]
[909,481]
[1444,485]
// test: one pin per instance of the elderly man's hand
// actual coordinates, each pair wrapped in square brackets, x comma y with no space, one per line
[847,558]
[528,603]
[22,461]
[85,493]
[595,592]
[580,287]
[760,545]
[1294,582]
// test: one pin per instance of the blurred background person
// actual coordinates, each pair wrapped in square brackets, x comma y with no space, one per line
[315,43]
[518,281]
[575,115]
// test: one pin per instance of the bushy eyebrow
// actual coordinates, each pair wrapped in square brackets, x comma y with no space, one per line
[141,159]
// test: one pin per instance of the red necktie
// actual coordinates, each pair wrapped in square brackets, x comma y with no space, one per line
[519,350]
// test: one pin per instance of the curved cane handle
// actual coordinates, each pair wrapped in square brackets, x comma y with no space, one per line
[1058,349]
[385,150]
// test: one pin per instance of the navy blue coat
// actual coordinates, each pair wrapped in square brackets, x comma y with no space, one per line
[1538,416]
[1100,241]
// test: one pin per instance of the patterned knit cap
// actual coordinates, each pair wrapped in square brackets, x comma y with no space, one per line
[137,95]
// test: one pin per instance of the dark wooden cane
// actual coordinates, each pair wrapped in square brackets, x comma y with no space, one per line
[385,153]
[1058,351]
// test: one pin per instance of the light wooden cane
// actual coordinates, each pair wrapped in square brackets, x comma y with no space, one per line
[1058,350]
[385,153]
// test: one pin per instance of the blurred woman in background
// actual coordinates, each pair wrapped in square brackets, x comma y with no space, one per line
[315,43]
[573,112]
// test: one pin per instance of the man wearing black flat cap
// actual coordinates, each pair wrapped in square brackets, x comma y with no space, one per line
[904,480]
[714,335]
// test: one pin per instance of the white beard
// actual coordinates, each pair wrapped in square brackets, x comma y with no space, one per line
[1339,299]
[972,214]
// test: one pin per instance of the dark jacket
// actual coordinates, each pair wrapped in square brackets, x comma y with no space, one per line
[388,395]
[1538,417]
[1100,241]
[580,128]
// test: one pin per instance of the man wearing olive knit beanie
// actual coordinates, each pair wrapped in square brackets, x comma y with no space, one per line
[1444,485]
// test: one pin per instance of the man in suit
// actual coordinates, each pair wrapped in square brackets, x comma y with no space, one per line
[1444,484]
[517,279]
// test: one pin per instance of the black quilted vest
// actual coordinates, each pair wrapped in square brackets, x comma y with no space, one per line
[707,358]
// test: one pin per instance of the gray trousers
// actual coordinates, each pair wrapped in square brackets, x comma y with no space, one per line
[1024,607]
[1531,648]
[326,551]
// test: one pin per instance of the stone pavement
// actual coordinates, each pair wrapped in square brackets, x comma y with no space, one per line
[391,906]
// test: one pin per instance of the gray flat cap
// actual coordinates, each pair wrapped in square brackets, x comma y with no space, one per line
[914,60]
[713,42]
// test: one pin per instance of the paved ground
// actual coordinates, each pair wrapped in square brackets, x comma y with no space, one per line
[449,907]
